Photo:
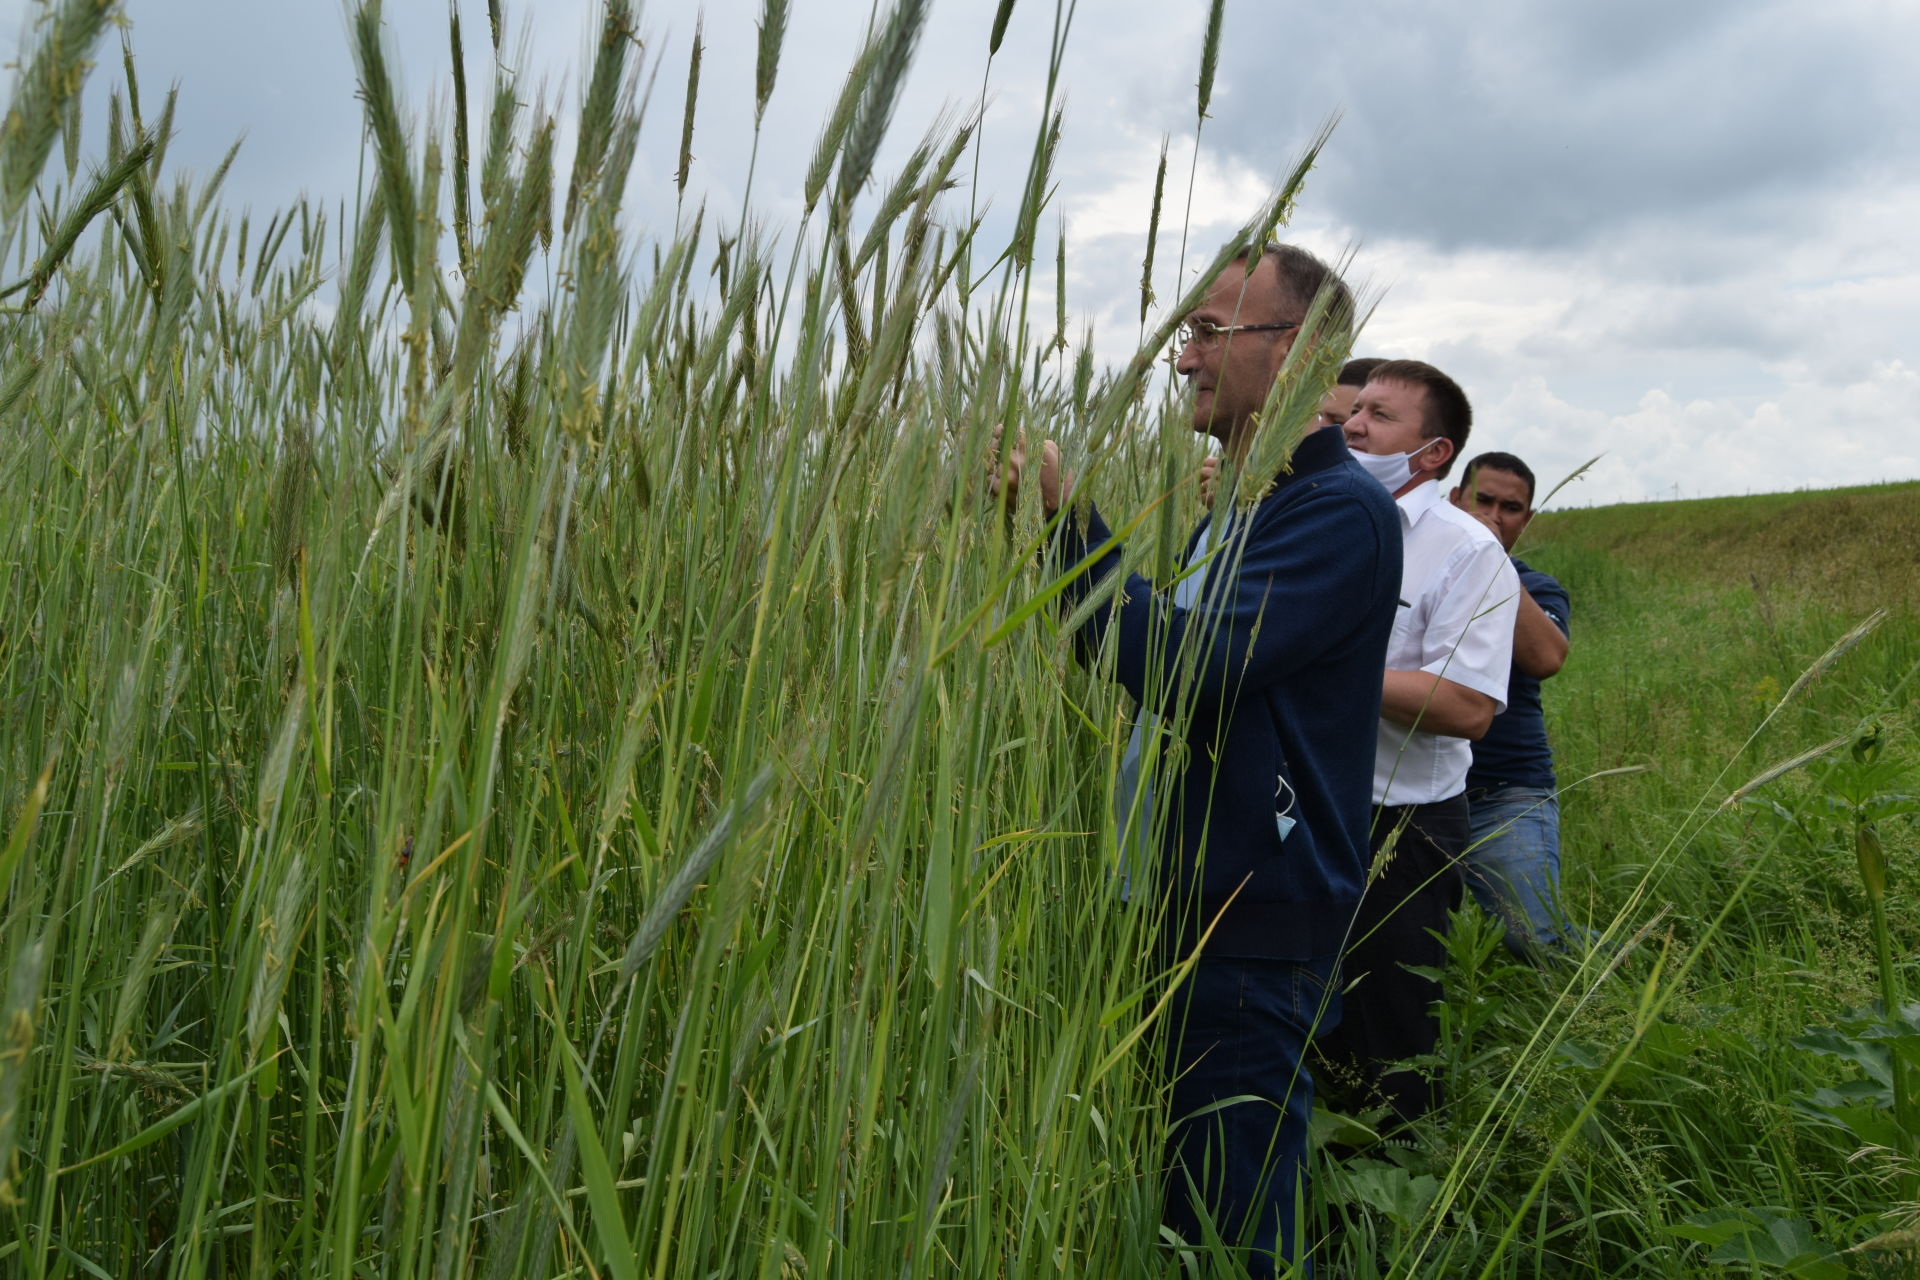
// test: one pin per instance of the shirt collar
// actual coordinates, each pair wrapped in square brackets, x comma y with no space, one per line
[1417,502]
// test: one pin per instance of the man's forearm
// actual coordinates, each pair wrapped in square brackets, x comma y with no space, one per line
[1434,704]
[1539,647]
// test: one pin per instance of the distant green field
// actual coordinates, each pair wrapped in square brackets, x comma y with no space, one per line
[1692,618]
[1851,549]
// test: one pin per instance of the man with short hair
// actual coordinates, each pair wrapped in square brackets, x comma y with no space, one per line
[1446,679]
[1337,405]
[1513,863]
[1259,675]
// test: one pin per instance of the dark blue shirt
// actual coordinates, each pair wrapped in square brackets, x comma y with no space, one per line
[1282,672]
[1515,752]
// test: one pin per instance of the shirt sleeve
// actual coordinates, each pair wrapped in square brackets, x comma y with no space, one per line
[1551,597]
[1296,583]
[1469,635]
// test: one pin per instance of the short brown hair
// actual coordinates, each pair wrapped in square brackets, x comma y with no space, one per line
[1354,373]
[1447,411]
[1302,278]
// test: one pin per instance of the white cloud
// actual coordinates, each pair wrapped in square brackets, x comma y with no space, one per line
[1809,435]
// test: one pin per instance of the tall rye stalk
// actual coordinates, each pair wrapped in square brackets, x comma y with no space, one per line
[1209,64]
[686,119]
[421,681]
[501,784]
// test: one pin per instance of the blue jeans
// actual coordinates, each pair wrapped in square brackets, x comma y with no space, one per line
[1240,1031]
[1513,865]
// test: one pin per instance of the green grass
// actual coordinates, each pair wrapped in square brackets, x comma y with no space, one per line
[1849,550]
[1759,931]
[495,785]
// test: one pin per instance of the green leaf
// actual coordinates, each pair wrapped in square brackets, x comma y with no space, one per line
[1871,1123]
[1584,1056]
[1327,1126]
[1715,1227]
[1742,1237]
[609,1224]
[1404,1197]
[1869,1057]
[1052,590]
[1786,1243]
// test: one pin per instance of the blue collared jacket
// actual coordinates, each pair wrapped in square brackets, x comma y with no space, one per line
[1287,647]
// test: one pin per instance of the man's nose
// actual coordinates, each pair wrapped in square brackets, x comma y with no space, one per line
[1188,360]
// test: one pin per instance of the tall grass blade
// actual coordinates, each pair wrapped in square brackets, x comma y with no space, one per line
[462,185]
[1002,15]
[880,94]
[172,1120]
[766,64]
[49,80]
[1210,55]
[1153,231]
[100,194]
[394,170]
[686,119]
[17,1037]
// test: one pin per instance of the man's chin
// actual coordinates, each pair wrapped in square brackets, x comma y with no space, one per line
[1205,424]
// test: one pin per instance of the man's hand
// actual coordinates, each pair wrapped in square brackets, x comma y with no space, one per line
[1486,516]
[1209,477]
[1056,486]
[1004,475]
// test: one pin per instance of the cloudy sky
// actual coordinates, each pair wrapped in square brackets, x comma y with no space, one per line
[1678,234]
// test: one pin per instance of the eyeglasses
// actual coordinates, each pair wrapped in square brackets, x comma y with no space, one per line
[1205,333]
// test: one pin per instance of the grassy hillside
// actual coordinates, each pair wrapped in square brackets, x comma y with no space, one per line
[1849,549]
[1754,1121]
[1692,619]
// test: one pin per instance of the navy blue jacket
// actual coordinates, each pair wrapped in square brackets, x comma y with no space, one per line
[1287,686]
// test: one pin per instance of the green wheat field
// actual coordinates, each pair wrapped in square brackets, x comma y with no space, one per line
[502,781]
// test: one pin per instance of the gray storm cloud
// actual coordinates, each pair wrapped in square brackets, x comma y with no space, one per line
[1541,126]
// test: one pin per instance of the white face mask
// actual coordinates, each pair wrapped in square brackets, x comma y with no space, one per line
[1391,469]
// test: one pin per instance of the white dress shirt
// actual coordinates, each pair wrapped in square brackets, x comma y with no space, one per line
[1459,599]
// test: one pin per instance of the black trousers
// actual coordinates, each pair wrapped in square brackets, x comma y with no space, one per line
[1402,921]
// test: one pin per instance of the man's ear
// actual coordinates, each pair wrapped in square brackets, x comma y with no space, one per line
[1453,496]
[1439,453]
